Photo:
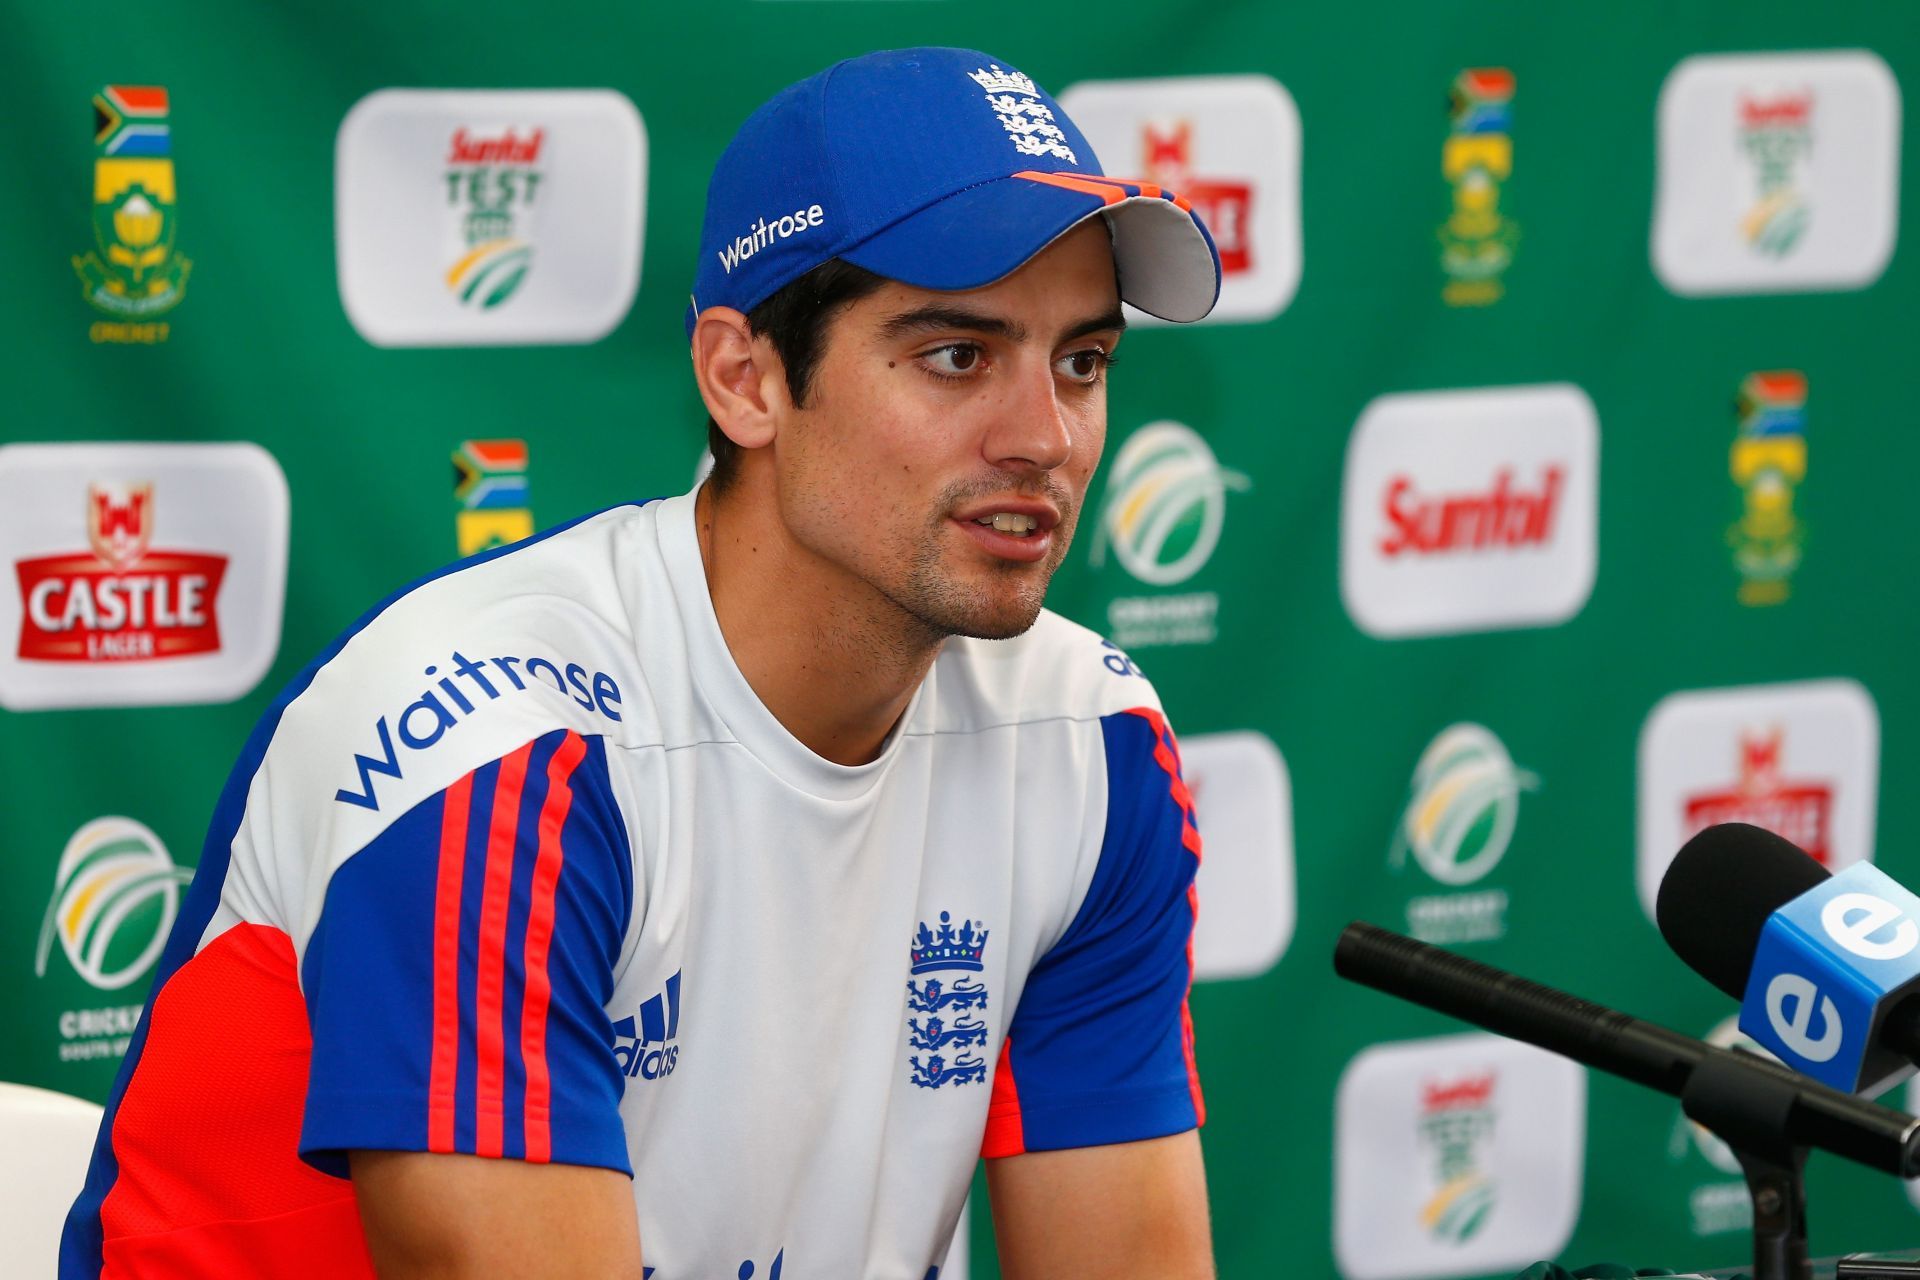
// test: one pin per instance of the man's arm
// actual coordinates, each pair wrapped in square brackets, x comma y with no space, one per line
[449,1217]
[1133,1209]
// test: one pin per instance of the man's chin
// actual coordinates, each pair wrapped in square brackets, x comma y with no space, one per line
[981,614]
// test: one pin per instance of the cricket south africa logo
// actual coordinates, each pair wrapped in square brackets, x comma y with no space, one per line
[1776,133]
[115,895]
[1465,801]
[942,1010]
[1768,461]
[1477,241]
[493,187]
[1165,504]
[135,271]
[1029,122]
[1456,1122]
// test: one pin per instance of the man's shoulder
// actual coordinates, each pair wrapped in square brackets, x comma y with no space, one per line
[465,666]
[1056,670]
[563,589]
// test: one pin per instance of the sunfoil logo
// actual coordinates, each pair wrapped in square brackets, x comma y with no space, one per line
[115,895]
[1464,803]
[763,233]
[428,718]
[1165,505]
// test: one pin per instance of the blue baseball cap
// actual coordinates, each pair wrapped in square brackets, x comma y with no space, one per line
[939,168]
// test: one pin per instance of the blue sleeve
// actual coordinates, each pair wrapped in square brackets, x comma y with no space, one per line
[1100,1049]
[457,982]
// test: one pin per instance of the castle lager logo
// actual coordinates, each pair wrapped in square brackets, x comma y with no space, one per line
[121,601]
[1463,806]
[1477,240]
[1165,504]
[1456,1121]
[114,898]
[1769,462]
[138,574]
[1230,146]
[1801,810]
[1801,759]
[135,271]
[493,184]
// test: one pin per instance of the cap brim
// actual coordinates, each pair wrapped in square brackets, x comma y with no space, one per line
[1164,257]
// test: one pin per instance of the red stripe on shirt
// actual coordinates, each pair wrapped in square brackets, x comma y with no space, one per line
[539,987]
[1006,1132]
[444,1072]
[490,978]
[1166,753]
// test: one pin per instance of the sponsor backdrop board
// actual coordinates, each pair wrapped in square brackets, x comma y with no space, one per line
[1537,494]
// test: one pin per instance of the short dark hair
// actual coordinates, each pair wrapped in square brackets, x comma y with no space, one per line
[795,319]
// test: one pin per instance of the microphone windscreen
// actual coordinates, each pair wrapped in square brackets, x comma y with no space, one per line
[1716,897]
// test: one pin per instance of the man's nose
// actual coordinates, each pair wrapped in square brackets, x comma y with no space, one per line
[1031,427]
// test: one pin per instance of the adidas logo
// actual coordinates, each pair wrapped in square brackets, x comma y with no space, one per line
[649,1052]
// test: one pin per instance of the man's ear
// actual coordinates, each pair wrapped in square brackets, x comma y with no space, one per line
[740,377]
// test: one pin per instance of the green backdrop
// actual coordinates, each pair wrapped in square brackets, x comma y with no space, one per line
[261,350]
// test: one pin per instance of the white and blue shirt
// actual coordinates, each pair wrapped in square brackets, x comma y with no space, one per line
[522,867]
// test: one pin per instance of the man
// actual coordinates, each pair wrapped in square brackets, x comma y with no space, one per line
[715,879]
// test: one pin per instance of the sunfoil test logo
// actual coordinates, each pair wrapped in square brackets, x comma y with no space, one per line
[1460,1155]
[115,895]
[1776,132]
[493,184]
[1463,805]
[1162,516]
[1456,1119]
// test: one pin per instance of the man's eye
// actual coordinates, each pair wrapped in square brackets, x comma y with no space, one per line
[1085,366]
[953,360]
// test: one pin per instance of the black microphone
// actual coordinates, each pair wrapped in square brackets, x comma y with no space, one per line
[1718,892]
[1876,1136]
[1715,901]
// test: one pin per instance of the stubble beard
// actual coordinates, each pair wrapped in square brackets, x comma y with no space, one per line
[945,603]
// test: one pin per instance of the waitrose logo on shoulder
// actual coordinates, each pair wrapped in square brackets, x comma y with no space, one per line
[1471,510]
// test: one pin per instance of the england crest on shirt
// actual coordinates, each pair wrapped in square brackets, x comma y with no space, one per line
[944,1001]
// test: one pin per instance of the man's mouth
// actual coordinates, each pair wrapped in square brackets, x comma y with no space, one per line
[1010,522]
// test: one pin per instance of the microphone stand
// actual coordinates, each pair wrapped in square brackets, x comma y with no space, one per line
[1751,1112]
[1769,1115]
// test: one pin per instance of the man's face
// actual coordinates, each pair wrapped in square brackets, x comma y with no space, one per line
[948,438]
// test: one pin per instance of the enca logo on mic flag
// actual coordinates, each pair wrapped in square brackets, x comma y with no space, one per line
[1828,964]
